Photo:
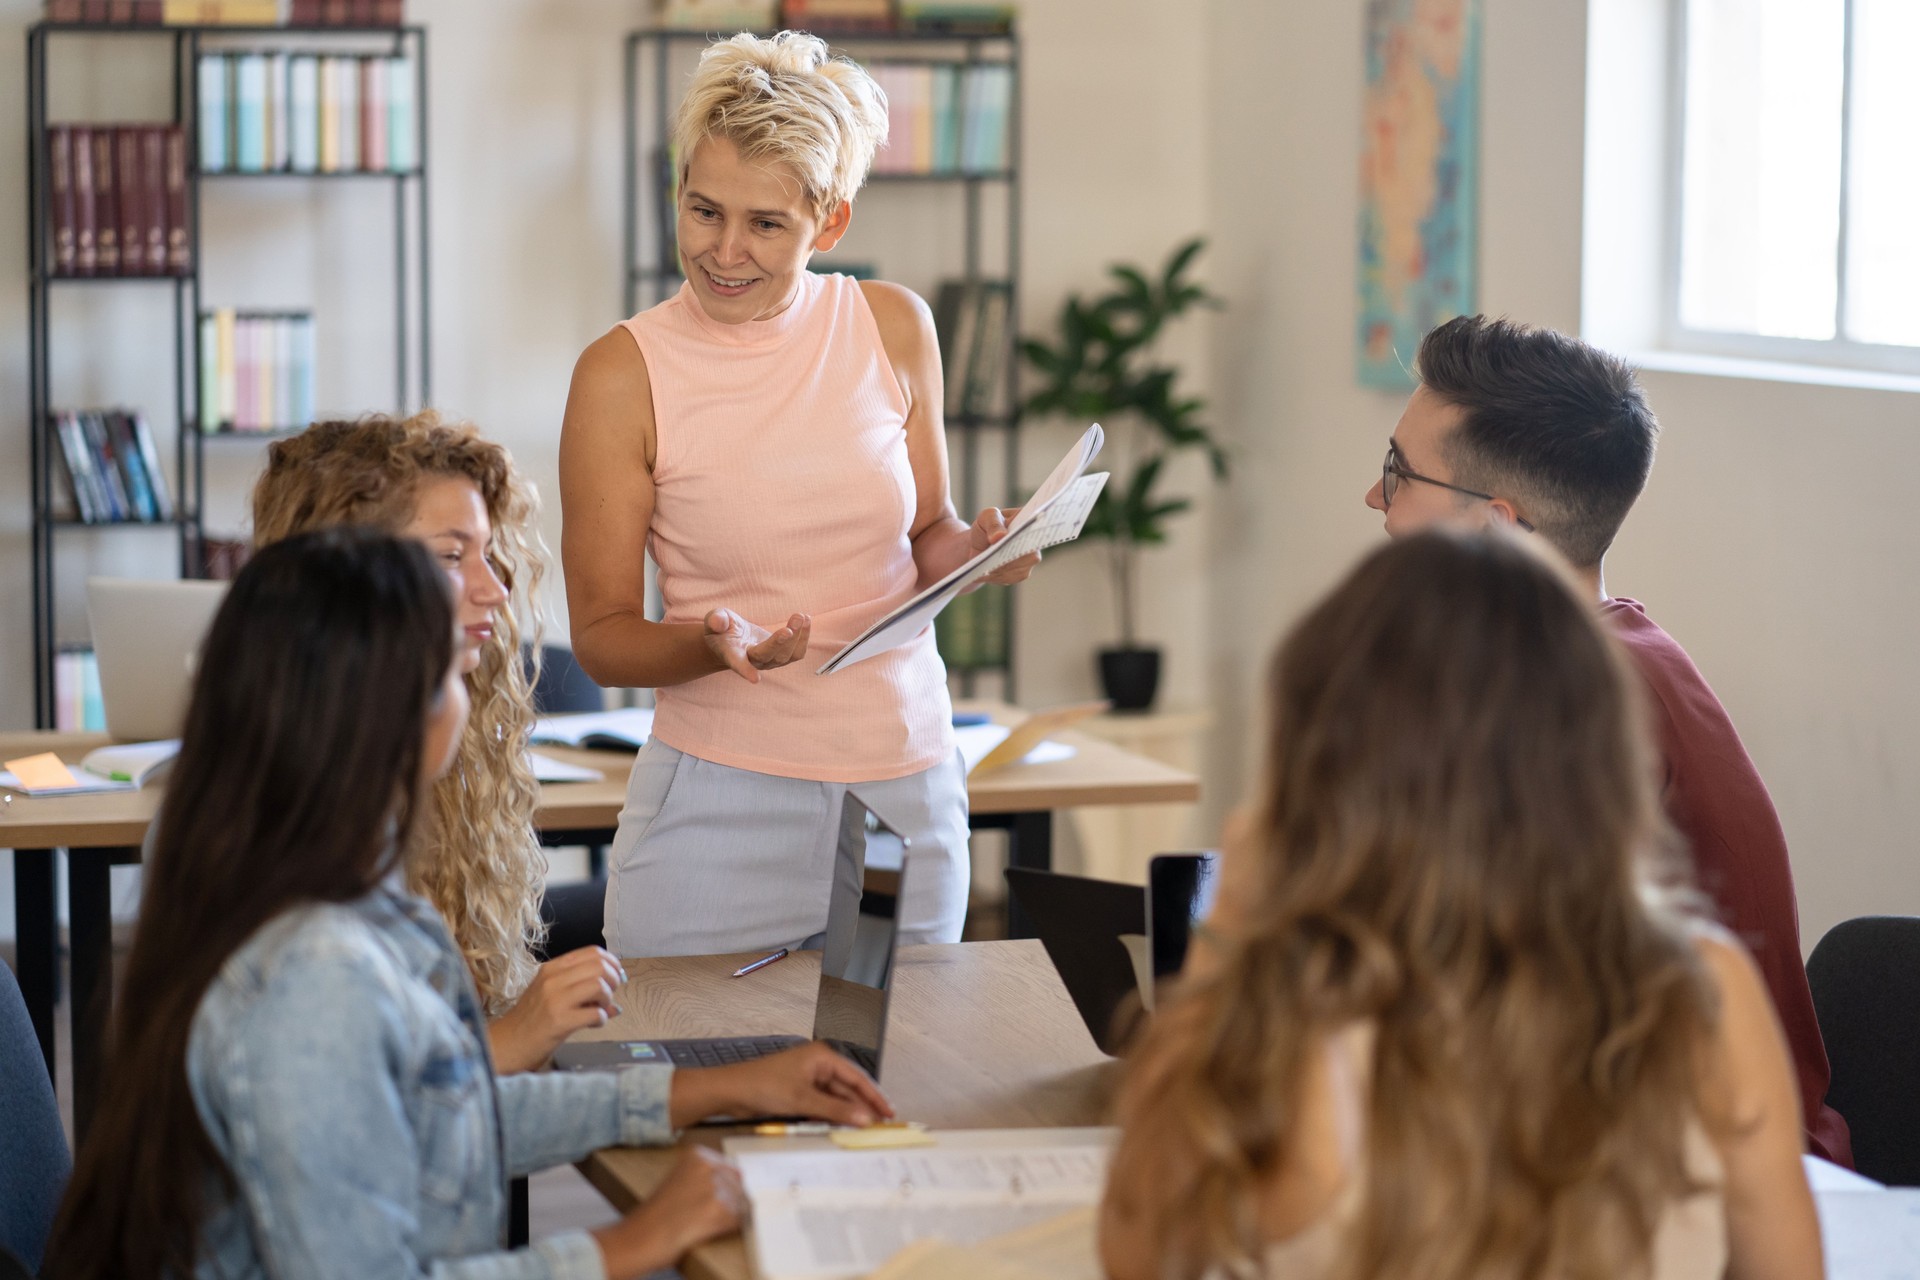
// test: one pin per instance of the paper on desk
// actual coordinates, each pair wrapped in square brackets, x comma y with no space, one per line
[977,742]
[832,1214]
[1037,527]
[1870,1235]
[47,775]
[547,769]
[624,729]
[1062,1248]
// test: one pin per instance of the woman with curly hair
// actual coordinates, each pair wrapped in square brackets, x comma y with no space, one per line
[1457,1016]
[480,862]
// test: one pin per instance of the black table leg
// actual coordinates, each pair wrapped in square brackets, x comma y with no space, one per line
[519,1214]
[90,935]
[36,930]
[1029,845]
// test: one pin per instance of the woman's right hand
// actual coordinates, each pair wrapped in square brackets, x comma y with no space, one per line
[700,1200]
[748,649]
[567,994]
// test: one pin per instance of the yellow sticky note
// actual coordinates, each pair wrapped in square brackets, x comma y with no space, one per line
[911,1134]
[44,772]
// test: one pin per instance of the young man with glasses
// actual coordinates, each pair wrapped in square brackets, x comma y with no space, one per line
[1533,428]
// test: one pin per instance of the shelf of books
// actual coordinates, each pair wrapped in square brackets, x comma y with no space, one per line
[261,89]
[951,75]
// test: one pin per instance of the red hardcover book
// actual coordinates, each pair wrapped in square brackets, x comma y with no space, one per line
[60,211]
[153,199]
[335,13]
[94,10]
[304,13]
[131,185]
[120,11]
[64,10]
[86,250]
[179,251]
[149,13]
[106,206]
[390,13]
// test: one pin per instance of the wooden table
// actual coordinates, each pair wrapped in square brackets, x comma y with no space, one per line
[102,831]
[980,1035]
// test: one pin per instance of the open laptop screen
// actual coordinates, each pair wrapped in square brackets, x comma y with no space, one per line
[851,1011]
[1180,889]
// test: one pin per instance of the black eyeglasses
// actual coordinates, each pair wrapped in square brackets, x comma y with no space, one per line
[1392,473]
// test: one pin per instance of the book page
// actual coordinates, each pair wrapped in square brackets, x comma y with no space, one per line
[828,1214]
[1059,1248]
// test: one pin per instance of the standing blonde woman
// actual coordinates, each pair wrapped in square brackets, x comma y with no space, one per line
[480,862]
[774,438]
[1455,1020]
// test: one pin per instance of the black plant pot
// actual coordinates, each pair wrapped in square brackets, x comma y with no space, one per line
[1130,677]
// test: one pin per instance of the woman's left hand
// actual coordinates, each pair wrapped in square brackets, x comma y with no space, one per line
[988,528]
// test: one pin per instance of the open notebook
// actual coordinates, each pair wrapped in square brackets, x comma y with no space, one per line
[1055,514]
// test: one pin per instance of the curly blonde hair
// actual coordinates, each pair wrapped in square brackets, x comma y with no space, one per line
[785,99]
[1458,843]
[475,855]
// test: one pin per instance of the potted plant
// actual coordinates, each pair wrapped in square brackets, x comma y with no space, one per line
[1100,366]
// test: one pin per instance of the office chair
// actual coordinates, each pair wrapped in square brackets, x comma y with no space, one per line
[34,1162]
[1865,976]
[562,686]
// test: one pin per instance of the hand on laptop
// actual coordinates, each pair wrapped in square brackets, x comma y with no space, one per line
[567,994]
[812,1081]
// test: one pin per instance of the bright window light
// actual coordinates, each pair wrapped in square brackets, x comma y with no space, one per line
[1799,179]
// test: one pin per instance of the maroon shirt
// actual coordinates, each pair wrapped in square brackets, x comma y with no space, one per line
[1715,797]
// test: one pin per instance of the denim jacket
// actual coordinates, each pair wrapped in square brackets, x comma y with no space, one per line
[339,1063]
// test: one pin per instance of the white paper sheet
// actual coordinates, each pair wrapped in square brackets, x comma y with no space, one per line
[547,769]
[1870,1235]
[829,1214]
[976,740]
[629,727]
[1053,515]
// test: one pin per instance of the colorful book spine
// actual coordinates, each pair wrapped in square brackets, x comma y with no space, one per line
[403,153]
[106,205]
[303,113]
[250,113]
[213,113]
[128,169]
[347,85]
[256,371]
[173,201]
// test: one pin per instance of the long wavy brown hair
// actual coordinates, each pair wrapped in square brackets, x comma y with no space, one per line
[299,766]
[479,860]
[1457,841]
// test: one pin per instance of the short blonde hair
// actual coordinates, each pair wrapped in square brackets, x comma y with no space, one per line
[785,98]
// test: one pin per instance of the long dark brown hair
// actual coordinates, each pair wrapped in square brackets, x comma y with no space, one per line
[297,781]
[1457,842]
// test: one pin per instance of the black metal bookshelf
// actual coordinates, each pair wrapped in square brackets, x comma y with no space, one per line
[412,306]
[651,270]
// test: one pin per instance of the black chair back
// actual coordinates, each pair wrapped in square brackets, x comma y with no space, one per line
[1865,976]
[562,687]
[34,1162]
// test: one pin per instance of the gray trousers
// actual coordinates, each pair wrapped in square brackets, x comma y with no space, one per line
[710,859]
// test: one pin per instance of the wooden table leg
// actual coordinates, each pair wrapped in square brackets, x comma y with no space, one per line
[36,931]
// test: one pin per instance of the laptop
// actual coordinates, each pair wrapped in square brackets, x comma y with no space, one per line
[1112,942]
[146,637]
[850,1008]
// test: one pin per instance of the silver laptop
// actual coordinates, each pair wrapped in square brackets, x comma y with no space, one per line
[850,1008]
[146,637]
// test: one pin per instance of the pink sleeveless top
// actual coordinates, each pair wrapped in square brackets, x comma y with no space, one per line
[782,485]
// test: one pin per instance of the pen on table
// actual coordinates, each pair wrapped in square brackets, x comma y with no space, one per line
[761,963]
[786,1130]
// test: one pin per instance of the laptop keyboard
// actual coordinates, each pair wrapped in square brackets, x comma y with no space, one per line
[724,1053]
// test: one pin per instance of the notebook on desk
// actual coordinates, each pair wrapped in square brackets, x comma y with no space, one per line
[850,1007]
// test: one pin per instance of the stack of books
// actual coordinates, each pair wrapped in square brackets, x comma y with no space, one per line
[274,112]
[256,371]
[112,467]
[838,17]
[973,319]
[718,15]
[230,13]
[76,692]
[939,19]
[117,200]
[945,118]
